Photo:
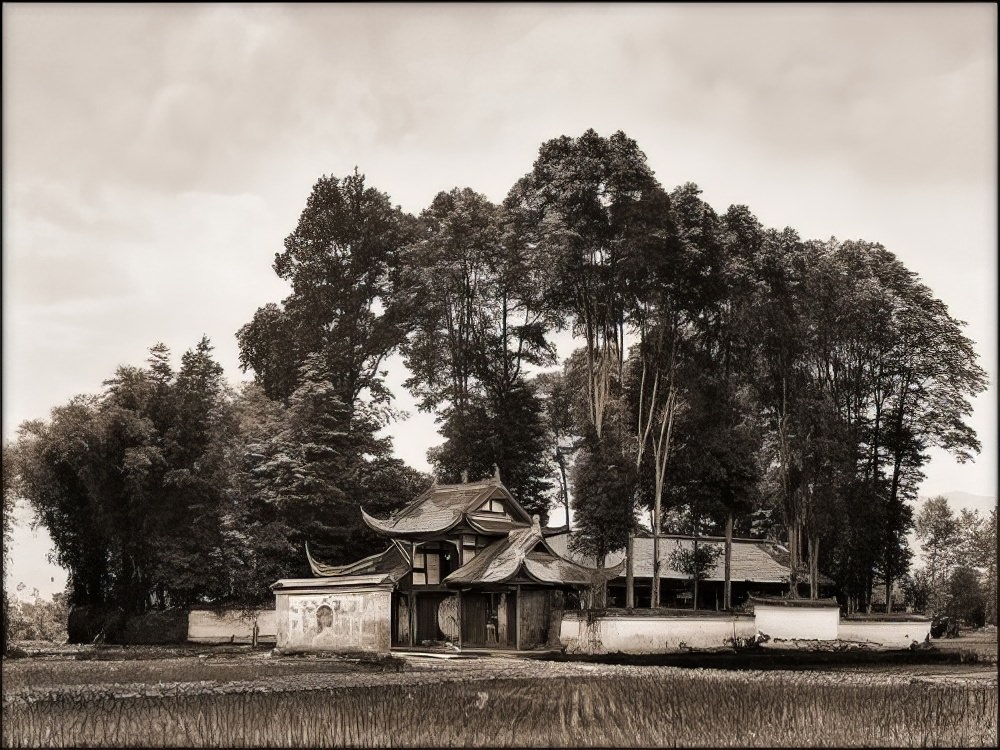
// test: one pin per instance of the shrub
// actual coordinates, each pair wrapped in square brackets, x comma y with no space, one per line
[37,620]
[967,603]
[157,627]
[90,624]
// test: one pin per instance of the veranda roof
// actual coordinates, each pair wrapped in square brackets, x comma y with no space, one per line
[524,553]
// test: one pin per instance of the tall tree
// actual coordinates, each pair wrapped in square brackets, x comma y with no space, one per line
[562,442]
[53,464]
[129,484]
[586,206]
[190,553]
[344,263]
[322,352]
[479,321]
[593,205]
[938,533]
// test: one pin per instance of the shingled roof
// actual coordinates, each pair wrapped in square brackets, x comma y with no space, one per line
[525,553]
[755,560]
[442,507]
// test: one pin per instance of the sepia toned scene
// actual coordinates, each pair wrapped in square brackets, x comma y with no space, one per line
[499,375]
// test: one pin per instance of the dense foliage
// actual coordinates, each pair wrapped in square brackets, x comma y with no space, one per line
[38,619]
[769,383]
[959,576]
[9,499]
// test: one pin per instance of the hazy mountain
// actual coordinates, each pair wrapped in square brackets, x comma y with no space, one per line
[958,500]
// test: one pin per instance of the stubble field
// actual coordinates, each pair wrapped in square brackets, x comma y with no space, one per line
[245,698]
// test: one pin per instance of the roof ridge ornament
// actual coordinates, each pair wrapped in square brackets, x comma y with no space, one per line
[465,476]
[496,475]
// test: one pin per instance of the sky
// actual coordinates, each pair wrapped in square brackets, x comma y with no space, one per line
[156,156]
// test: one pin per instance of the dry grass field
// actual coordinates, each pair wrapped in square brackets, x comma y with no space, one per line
[240,697]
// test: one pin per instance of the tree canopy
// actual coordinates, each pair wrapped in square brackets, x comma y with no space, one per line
[722,366]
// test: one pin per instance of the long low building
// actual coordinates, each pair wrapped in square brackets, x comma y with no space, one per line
[758,568]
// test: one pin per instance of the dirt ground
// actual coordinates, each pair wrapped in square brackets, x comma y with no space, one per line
[227,696]
[982,642]
[119,671]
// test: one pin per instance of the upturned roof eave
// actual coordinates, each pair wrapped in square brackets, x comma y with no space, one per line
[390,531]
[323,570]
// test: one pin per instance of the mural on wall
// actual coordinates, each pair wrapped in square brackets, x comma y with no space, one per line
[325,633]
[338,621]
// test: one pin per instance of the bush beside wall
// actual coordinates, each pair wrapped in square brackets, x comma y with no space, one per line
[88,624]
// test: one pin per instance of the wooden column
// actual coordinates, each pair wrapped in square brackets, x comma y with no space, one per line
[460,619]
[413,617]
[517,618]
[413,601]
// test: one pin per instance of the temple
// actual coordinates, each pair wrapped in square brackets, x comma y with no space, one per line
[466,568]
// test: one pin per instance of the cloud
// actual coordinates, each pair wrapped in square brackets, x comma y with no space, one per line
[895,93]
[156,156]
[79,302]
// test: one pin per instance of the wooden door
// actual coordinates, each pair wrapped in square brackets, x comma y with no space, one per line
[400,616]
[508,629]
[427,617]
[534,606]
[475,617]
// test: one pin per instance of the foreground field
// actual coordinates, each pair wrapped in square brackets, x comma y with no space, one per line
[248,698]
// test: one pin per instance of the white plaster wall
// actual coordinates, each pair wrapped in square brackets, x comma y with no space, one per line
[361,621]
[267,624]
[796,623]
[651,635]
[886,634]
[643,634]
[231,626]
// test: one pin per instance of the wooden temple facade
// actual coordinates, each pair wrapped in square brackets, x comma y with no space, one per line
[466,566]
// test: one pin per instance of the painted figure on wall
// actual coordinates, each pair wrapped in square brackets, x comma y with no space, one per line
[325,635]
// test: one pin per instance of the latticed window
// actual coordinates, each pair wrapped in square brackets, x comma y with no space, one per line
[432,564]
[472,545]
[493,505]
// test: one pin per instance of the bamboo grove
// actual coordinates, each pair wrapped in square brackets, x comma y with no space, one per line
[727,378]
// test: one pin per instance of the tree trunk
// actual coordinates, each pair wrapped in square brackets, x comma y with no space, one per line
[697,573]
[813,567]
[630,572]
[727,597]
[793,561]
[600,597]
[563,486]
[654,593]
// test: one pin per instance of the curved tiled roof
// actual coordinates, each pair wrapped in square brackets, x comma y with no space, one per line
[444,506]
[390,563]
[525,552]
